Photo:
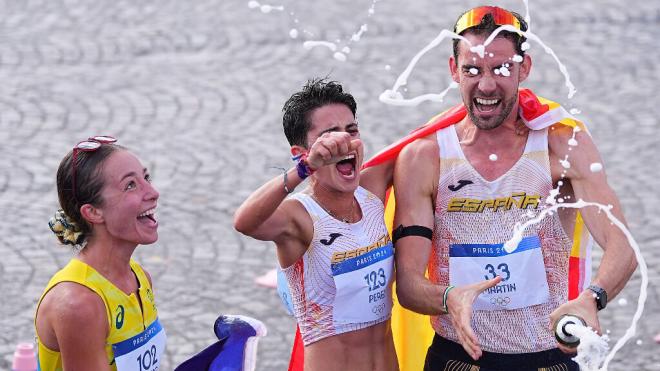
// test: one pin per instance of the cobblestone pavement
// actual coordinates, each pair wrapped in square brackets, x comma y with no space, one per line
[196,88]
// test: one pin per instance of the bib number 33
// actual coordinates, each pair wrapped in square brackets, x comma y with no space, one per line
[502,270]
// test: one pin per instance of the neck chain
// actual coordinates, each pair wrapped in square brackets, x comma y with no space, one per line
[350,211]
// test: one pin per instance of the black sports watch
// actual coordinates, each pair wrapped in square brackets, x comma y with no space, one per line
[601,296]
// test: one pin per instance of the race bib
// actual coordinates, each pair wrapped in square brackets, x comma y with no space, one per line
[363,286]
[142,352]
[524,282]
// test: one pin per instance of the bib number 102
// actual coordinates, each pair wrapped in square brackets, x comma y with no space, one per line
[376,279]
[147,359]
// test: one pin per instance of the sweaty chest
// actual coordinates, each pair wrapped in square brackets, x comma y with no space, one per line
[492,164]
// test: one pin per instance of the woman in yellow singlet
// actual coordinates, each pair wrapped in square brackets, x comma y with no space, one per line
[98,312]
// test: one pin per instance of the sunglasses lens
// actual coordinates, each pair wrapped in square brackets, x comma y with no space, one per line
[88,145]
[104,139]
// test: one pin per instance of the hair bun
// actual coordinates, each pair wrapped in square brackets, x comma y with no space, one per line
[66,230]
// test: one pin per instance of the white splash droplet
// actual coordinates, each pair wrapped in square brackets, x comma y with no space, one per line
[565,164]
[596,167]
[505,71]
[517,58]
[639,342]
[622,302]
[492,157]
[340,56]
[388,67]
[479,49]
[575,111]
[293,33]
[572,142]
[491,55]
[346,50]
[525,46]
[266,8]
[253,4]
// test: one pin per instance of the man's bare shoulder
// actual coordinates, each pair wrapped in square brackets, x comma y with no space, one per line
[571,152]
[424,148]
[561,137]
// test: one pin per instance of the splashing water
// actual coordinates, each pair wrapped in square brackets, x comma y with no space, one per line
[265,8]
[309,44]
[393,97]
[592,348]
[596,167]
[519,228]
[312,44]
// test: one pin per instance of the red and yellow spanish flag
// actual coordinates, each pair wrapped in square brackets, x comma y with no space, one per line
[412,332]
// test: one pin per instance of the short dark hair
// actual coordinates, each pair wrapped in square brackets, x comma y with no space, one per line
[487,26]
[315,94]
[89,184]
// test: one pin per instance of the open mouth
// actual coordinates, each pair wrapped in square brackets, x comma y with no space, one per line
[346,167]
[148,216]
[486,105]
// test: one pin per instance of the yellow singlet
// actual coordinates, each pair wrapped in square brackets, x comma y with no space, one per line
[126,318]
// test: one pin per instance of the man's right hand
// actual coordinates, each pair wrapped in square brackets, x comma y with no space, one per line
[331,148]
[459,305]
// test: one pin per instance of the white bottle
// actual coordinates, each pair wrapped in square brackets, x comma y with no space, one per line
[24,358]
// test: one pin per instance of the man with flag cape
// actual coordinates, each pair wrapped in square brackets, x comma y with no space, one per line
[462,180]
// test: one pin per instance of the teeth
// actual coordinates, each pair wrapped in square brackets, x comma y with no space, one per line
[349,157]
[148,212]
[487,101]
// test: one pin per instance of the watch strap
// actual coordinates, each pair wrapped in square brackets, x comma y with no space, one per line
[600,295]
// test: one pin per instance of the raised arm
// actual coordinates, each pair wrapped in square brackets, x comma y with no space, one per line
[618,261]
[265,215]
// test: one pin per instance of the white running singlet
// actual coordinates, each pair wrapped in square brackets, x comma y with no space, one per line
[343,282]
[473,218]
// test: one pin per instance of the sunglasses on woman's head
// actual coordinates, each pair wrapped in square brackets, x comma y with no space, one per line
[89,145]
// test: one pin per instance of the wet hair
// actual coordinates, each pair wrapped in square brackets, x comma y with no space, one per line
[487,26]
[68,224]
[298,108]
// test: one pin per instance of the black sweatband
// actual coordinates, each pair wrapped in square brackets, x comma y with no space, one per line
[411,230]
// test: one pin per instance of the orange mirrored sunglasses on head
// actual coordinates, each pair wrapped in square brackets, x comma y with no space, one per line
[474,16]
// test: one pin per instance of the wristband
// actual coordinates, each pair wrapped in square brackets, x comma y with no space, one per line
[286,189]
[303,168]
[285,180]
[444,298]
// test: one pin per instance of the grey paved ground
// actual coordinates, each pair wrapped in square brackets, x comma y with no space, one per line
[196,88]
